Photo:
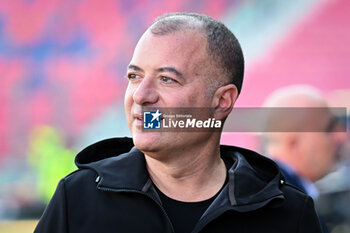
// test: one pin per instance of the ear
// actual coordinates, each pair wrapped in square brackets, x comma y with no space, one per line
[291,141]
[223,100]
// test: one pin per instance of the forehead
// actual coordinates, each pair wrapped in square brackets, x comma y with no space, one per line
[182,49]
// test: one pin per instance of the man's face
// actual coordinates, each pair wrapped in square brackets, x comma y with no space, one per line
[322,151]
[166,71]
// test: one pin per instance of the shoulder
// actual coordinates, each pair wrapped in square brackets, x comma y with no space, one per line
[296,200]
[293,193]
[302,208]
[79,178]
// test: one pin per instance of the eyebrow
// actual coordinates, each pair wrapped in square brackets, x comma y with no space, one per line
[171,70]
[161,69]
[133,67]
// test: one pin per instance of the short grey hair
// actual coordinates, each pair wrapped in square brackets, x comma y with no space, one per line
[223,46]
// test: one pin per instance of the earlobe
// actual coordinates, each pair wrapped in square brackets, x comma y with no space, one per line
[224,100]
[292,141]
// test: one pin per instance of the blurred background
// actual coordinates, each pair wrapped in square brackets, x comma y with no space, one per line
[62,81]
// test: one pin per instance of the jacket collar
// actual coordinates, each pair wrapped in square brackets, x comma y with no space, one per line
[253,181]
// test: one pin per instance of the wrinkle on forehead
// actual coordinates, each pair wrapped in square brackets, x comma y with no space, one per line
[188,48]
[187,51]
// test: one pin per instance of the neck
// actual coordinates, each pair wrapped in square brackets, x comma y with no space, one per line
[296,162]
[193,176]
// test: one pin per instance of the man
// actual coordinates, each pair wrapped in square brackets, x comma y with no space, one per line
[178,181]
[304,157]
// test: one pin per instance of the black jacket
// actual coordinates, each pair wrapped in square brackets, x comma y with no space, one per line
[112,192]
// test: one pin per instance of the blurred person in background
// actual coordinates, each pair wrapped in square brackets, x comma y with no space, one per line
[333,202]
[304,157]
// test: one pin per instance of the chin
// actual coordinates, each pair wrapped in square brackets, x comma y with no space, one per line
[146,142]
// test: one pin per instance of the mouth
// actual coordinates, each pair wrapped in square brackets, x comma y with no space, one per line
[138,119]
[138,116]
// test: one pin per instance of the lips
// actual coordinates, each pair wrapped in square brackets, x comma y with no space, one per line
[138,119]
[137,116]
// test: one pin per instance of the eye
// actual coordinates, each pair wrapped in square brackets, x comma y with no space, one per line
[166,79]
[132,77]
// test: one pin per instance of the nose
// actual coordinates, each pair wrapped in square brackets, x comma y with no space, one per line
[340,134]
[146,92]
[340,140]
[339,137]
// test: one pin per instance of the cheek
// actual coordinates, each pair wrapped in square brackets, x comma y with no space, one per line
[128,97]
[325,151]
[128,101]
[198,98]
[326,144]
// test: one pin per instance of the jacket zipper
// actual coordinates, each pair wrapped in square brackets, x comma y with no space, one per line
[144,194]
[208,219]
